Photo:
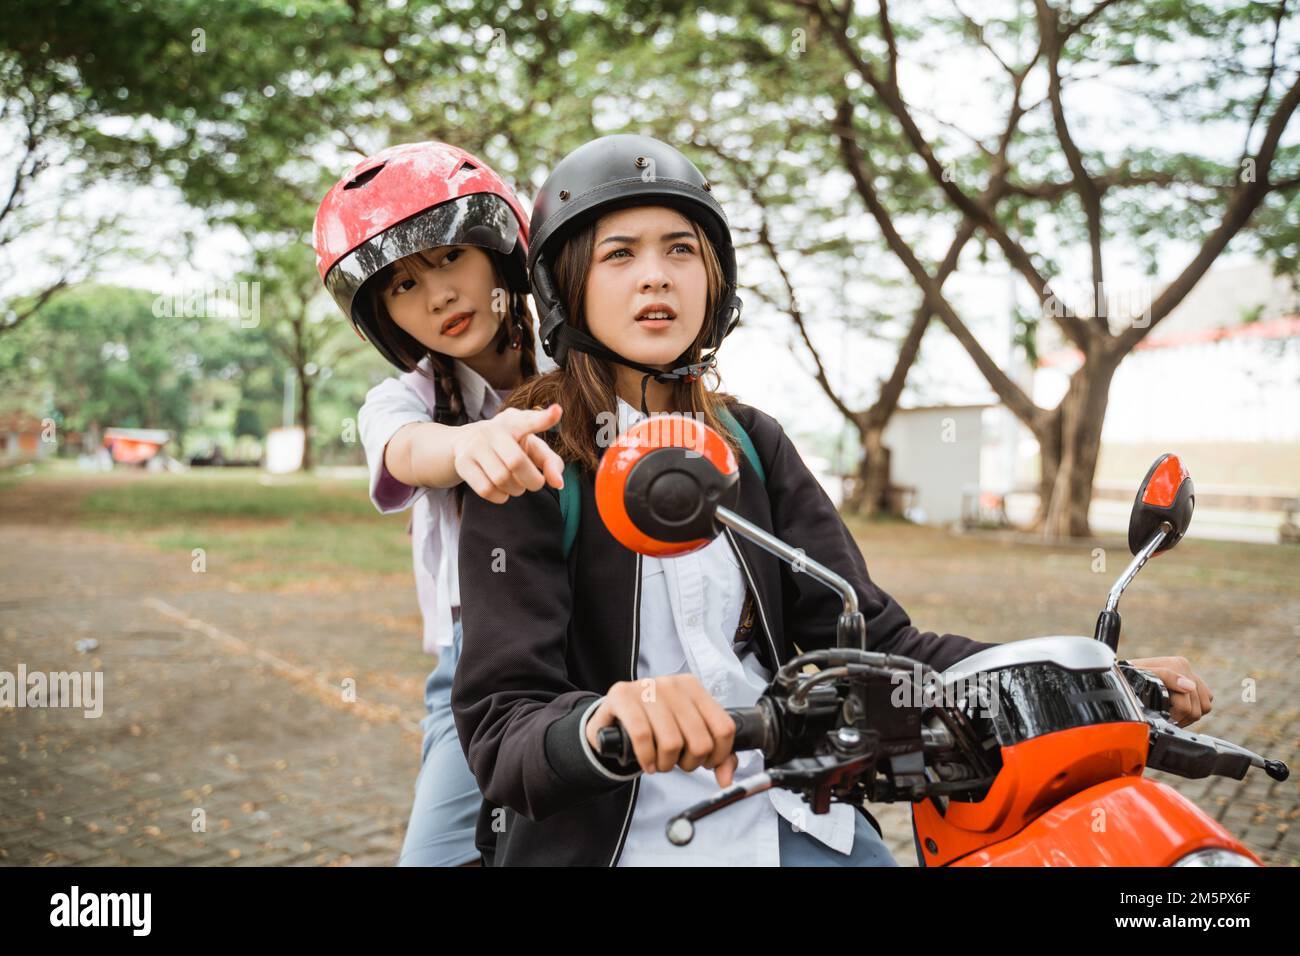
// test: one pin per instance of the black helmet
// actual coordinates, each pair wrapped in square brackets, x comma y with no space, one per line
[609,173]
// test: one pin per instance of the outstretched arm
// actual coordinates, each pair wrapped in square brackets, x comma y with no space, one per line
[498,458]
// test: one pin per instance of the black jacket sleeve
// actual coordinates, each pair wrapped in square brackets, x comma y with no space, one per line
[804,516]
[516,711]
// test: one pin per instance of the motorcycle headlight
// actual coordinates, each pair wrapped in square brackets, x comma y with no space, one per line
[1216,856]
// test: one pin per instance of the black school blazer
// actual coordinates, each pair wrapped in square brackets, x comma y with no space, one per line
[543,638]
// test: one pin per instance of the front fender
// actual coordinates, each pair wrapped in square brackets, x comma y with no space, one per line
[1128,821]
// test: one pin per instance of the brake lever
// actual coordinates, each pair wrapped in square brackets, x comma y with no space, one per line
[681,828]
[815,777]
[1186,753]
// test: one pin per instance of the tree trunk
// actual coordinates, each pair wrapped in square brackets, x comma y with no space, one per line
[1068,470]
[872,480]
[872,483]
[304,418]
[1049,463]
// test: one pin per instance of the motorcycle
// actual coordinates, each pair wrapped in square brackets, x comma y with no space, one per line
[1031,753]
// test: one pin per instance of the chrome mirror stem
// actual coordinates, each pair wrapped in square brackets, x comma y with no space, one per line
[792,556]
[1112,601]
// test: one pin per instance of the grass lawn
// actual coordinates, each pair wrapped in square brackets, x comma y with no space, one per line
[268,531]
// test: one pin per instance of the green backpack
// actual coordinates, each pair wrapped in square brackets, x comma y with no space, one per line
[571,499]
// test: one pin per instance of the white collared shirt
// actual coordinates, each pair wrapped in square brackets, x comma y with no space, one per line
[690,606]
[435,526]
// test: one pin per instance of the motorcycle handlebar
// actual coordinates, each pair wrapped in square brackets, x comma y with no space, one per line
[1172,749]
[614,745]
[1189,754]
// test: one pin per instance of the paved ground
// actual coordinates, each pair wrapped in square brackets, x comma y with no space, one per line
[218,744]
[226,708]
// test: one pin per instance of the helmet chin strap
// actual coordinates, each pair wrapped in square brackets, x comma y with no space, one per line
[572,338]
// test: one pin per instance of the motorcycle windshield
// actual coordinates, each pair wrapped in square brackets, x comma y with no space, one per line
[1018,703]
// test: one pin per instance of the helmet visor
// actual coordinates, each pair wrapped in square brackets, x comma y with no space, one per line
[480,219]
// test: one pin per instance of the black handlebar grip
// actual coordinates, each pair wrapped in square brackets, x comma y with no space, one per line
[613,745]
[751,729]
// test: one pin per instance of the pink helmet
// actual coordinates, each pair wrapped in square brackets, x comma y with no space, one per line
[406,199]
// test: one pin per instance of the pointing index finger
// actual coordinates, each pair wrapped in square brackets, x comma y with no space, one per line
[533,420]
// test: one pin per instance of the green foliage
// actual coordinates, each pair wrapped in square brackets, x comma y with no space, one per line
[100,355]
[252,108]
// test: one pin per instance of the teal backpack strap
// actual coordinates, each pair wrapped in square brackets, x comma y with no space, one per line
[570,506]
[742,436]
[570,503]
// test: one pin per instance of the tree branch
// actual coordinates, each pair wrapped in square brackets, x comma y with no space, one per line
[764,239]
[1072,28]
[889,94]
[23,172]
[892,389]
[976,30]
[1089,195]
[27,313]
[859,167]
[1247,195]
[891,42]
[1111,179]
[1268,80]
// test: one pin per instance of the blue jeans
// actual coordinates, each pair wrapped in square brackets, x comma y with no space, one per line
[804,849]
[447,798]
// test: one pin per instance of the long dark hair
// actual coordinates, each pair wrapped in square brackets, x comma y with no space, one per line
[585,386]
[411,351]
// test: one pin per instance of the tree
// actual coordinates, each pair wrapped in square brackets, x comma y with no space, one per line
[253,110]
[301,328]
[102,357]
[1094,187]
[43,198]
